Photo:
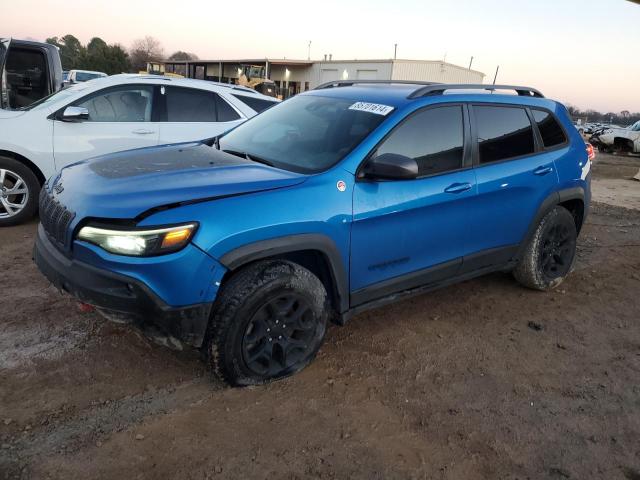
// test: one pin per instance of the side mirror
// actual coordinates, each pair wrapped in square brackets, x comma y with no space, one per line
[391,166]
[74,114]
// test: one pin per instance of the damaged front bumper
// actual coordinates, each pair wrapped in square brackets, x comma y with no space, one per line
[124,295]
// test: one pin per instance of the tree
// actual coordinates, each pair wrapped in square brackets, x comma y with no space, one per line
[181,56]
[97,55]
[143,50]
[71,51]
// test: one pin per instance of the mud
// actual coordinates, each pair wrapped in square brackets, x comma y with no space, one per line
[481,380]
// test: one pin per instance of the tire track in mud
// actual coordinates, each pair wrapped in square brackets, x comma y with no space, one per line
[65,432]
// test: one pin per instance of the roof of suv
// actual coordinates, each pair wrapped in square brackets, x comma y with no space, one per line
[125,78]
[400,93]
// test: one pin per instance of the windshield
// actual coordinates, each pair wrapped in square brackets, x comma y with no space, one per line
[86,76]
[306,134]
[636,126]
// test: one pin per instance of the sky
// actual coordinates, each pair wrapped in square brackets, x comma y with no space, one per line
[581,52]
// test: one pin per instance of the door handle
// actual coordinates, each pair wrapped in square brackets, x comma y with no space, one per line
[458,188]
[543,170]
[142,131]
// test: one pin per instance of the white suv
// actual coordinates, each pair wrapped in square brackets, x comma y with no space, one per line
[108,115]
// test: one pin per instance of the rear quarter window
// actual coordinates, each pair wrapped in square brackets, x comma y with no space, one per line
[256,104]
[550,130]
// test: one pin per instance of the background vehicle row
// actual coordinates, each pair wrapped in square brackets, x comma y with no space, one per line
[108,115]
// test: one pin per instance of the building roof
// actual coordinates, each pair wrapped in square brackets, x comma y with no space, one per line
[307,63]
[249,61]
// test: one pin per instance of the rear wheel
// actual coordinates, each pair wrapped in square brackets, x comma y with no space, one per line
[269,322]
[19,189]
[549,256]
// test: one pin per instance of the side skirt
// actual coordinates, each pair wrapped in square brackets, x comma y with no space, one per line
[476,265]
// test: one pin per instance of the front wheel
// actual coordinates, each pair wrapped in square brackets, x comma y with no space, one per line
[549,255]
[19,190]
[268,322]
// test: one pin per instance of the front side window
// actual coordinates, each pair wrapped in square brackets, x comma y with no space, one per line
[306,134]
[190,105]
[503,133]
[550,131]
[433,137]
[127,103]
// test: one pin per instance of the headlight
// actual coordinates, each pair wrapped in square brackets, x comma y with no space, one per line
[156,241]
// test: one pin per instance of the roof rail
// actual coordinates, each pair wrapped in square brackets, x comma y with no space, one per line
[439,89]
[151,77]
[349,83]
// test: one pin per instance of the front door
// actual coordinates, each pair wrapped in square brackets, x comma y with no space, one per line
[120,118]
[408,233]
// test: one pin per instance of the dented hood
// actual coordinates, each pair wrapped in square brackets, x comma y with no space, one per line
[128,184]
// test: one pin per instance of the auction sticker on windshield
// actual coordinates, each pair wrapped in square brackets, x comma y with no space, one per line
[371,108]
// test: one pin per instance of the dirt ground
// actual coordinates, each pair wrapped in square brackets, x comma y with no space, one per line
[481,380]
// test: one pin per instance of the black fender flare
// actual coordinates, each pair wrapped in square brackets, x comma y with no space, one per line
[295,243]
[554,198]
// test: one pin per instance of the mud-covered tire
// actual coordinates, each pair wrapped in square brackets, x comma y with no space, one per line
[14,169]
[268,322]
[549,256]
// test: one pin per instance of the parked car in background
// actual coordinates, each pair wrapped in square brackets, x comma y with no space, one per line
[335,201]
[619,139]
[29,71]
[77,76]
[108,115]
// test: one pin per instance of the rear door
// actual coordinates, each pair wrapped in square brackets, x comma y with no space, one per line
[192,114]
[120,118]
[514,175]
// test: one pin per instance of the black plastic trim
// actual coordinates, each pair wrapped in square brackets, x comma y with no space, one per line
[403,294]
[493,257]
[295,243]
[119,293]
[431,275]
[573,193]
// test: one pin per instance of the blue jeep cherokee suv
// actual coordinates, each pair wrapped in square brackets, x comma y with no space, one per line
[337,200]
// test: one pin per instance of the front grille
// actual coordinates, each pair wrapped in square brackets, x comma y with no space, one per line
[54,217]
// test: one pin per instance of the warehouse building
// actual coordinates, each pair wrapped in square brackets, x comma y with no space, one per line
[295,76]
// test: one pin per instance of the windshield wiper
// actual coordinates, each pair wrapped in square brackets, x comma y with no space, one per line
[251,157]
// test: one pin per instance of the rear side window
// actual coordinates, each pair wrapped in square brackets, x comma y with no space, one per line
[256,104]
[226,113]
[190,105]
[551,132]
[433,137]
[503,133]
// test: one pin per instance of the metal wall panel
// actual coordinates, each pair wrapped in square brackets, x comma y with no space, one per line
[434,71]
